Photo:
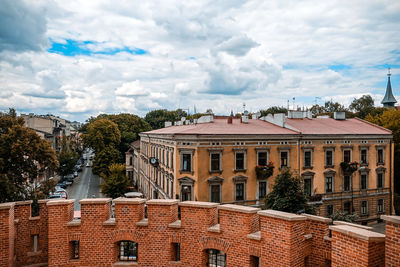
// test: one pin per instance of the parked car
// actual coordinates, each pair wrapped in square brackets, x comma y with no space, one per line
[62,193]
[75,174]
[68,182]
[88,164]
[55,196]
[62,185]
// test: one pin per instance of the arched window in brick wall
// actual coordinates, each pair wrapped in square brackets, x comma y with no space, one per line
[216,258]
[128,251]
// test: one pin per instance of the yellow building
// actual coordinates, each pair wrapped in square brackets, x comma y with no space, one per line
[230,160]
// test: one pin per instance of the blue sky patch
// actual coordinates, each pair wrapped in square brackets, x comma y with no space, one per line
[73,48]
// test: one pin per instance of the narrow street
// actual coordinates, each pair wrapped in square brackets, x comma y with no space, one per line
[86,185]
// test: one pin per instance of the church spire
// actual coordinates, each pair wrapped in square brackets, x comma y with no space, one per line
[388,101]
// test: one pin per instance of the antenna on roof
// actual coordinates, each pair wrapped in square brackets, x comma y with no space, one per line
[244,106]
[294,107]
[389,74]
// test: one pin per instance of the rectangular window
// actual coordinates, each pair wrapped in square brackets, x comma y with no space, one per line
[329,184]
[346,183]
[379,182]
[307,186]
[380,205]
[167,158]
[75,249]
[215,160]
[262,189]
[329,158]
[364,207]
[35,241]
[364,156]
[347,207]
[262,158]
[284,159]
[239,191]
[363,182]
[176,251]
[347,156]
[329,210]
[254,261]
[216,193]
[307,158]
[187,162]
[380,156]
[172,160]
[239,159]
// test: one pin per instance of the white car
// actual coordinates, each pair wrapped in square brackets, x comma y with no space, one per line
[88,164]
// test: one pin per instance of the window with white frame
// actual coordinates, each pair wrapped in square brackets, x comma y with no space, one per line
[307,158]
[186,160]
[328,184]
[380,205]
[329,158]
[284,158]
[262,158]
[128,251]
[380,179]
[307,181]
[364,207]
[262,189]
[364,156]
[363,181]
[329,210]
[380,156]
[215,160]
[347,155]
[239,191]
[346,183]
[240,160]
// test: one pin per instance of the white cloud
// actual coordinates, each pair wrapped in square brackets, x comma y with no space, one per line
[204,53]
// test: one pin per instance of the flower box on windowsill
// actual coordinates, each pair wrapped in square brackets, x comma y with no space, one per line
[349,168]
[264,171]
[314,198]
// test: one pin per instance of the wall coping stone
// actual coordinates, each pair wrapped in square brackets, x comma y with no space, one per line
[60,202]
[125,200]
[358,233]
[255,236]
[125,263]
[282,215]
[198,204]
[21,203]
[354,225]
[163,202]
[308,236]
[43,200]
[393,219]
[238,208]
[215,228]
[95,200]
[175,224]
[317,218]
[7,206]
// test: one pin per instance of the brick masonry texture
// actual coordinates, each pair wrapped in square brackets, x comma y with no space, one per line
[244,234]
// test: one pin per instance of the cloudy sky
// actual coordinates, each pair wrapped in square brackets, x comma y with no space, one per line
[77,59]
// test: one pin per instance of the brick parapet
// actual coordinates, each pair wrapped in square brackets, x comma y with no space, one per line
[7,234]
[243,233]
[353,246]
[392,242]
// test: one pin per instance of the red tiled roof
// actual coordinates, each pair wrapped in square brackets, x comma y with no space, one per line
[332,126]
[221,126]
[326,126]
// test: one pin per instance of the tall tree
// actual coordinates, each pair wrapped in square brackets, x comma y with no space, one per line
[362,106]
[102,133]
[67,157]
[23,156]
[287,194]
[104,159]
[116,182]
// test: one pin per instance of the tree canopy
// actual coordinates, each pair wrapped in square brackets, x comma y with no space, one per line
[273,110]
[116,183]
[102,133]
[362,106]
[156,118]
[287,194]
[23,156]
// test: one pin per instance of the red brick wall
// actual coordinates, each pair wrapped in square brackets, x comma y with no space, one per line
[392,242]
[278,239]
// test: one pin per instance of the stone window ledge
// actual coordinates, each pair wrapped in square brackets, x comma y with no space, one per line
[36,218]
[110,222]
[255,236]
[214,229]
[32,254]
[175,263]
[74,223]
[143,222]
[176,224]
[125,263]
[327,238]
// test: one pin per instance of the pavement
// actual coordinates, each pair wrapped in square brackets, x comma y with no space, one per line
[86,185]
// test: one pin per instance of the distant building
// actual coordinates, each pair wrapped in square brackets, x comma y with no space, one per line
[388,100]
[228,160]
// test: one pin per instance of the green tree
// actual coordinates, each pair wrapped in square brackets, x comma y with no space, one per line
[156,118]
[362,106]
[342,216]
[116,182]
[287,195]
[104,159]
[67,158]
[273,110]
[101,133]
[23,156]
[390,119]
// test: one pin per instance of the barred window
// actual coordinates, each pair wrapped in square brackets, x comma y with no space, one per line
[128,251]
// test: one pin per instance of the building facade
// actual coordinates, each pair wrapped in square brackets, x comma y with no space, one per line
[345,164]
